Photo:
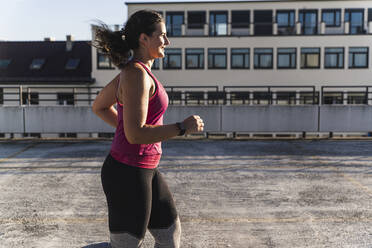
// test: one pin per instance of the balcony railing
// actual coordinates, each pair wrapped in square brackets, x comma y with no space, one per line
[199,95]
[257,29]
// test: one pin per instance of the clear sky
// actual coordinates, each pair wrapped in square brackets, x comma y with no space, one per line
[23,20]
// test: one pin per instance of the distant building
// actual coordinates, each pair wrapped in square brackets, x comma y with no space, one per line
[46,72]
[244,45]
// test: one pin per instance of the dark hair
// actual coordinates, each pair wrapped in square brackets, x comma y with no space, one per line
[118,44]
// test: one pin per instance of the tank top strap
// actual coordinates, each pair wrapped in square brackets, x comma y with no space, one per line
[147,69]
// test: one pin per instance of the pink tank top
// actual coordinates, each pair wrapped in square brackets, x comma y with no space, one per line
[141,155]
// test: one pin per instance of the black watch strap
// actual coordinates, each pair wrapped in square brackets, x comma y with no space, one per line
[181,127]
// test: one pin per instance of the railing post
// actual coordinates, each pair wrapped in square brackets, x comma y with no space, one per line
[74,95]
[344,97]
[275,28]
[347,28]
[205,97]
[28,96]
[273,98]
[369,95]
[20,96]
[228,97]
[183,98]
[298,28]
[297,97]
[250,97]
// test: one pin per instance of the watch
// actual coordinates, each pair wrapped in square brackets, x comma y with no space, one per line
[181,127]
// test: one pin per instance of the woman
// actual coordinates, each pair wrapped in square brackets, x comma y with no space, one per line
[137,195]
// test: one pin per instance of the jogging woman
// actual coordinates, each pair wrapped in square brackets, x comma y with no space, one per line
[137,195]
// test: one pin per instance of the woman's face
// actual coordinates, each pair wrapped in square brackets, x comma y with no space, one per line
[158,41]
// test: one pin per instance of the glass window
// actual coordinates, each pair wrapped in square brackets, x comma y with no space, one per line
[263,22]
[37,64]
[358,57]
[217,58]
[103,61]
[155,65]
[310,58]
[355,17]
[334,57]
[309,21]
[30,98]
[4,63]
[240,18]
[240,58]
[286,58]
[65,98]
[172,59]
[217,23]
[1,96]
[285,18]
[72,64]
[174,23]
[194,58]
[331,17]
[370,15]
[263,58]
[195,19]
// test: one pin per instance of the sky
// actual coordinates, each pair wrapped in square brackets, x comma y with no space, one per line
[29,20]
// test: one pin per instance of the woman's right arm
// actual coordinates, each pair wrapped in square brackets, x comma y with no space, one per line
[103,105]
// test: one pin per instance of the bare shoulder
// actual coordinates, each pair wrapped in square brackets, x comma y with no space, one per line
[134,77]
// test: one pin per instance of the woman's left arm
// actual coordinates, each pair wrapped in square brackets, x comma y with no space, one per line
[103,105]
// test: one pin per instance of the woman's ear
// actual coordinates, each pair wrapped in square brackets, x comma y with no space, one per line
[143,39]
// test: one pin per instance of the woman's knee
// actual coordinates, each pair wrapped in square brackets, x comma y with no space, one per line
[168,237]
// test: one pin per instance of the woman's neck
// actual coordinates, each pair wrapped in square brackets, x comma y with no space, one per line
[144,59]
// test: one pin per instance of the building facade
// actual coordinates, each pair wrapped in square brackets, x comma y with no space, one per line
[286,48]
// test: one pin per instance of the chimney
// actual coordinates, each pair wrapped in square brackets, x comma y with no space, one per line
[69,40]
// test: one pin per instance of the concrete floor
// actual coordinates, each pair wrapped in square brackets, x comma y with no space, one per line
[228,193]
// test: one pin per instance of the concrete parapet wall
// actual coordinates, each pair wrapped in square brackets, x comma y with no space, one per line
[269,118]
[60,119]
[81,119]
[11,119]
[345,119]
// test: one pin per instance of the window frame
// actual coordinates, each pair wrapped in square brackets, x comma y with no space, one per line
[290,58]
[213,67]
[343,59]
[214,13]
[334,11]
[249,58]
[360,67]
[196,12]
[110,67]
[302,20]
[259,59]
[349,12]
[287,11]
[70,68]
[170,29]
[166,59]
[305,64]
[201,66]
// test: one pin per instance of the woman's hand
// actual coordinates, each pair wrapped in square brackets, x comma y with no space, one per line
[193,124]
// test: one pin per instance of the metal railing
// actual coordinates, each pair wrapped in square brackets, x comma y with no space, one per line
[200,95]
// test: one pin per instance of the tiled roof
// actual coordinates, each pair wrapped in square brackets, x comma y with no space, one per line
[53,70]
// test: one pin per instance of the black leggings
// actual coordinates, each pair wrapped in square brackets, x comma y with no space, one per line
[137,198]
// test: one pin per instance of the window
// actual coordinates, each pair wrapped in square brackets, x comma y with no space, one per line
[194,58]
[31,98]
[331,17]
[72,64]
[263,58]
[155,65]
[370,15]
[217,58]
[37,64]
[263,22]
[65,98]
[240,58]
[1,96]
[334,57]
[355,17]
[286,21]
[358,57]
[172,59]
[310,58]
[309,21]
[104,61]
[195,19]
[174,23]
[217,23]
[286,58]
[240,18]
[4,63]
